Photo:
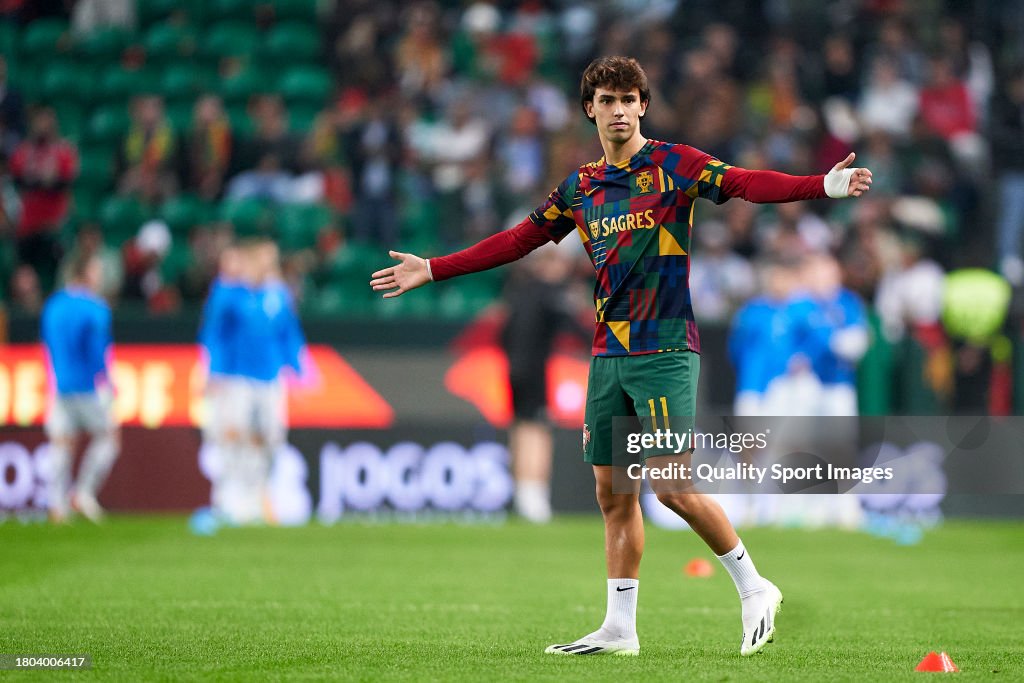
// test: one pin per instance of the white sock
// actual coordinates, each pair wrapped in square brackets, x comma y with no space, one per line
[741,568]
[620,619]
[533,501]
[60,479]
[241,489]
[99,458]
[216,450]
[255,475]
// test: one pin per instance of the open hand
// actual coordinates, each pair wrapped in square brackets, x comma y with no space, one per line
[409,274]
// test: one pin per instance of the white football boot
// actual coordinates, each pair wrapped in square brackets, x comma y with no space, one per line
[591,645]
[87,505]
[759,610]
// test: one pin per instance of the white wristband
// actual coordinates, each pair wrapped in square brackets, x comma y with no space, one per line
[430,273]
[838,182]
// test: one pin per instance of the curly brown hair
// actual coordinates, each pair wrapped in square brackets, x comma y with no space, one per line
[621,74]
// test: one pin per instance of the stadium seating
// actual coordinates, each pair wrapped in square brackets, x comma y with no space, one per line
[335,299]
[8,259]
[405,307]
[230,39]
[121,218]
[184,212]
[151,11]
[86,204]
[248,216]
[167,41]
[176,261]
[290,42]
[103,45]
[238,115]
[231,9]
[298,224]
[304,84]
[301,117]
[96,170]
[8,39]
[270,46]
[44,38]
[180,115]
[243,85]
[107,124]
[304,10]
[182,82]
[61,81]
[458,299]
[117,85]
[71,117]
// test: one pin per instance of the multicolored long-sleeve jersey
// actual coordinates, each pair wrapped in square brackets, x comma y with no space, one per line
[635,219]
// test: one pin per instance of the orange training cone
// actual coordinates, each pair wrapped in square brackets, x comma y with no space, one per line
[947,662]
[699,567]
[937,662]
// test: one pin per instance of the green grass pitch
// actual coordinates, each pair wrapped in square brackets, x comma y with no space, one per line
[444,601]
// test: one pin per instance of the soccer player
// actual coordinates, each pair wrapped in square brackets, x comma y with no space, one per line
[760,340]
[76,333]
[218,369]
[255,335]
[840,328]
[633,211]
[538,309]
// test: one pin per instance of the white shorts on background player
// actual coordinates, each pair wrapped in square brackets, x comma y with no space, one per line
[838,400]
[72,414]
[252,407]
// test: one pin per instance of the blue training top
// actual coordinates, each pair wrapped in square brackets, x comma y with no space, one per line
[761,342]
[252,332]
[76,333]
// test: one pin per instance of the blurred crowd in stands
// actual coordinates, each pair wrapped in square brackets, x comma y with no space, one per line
[448,121]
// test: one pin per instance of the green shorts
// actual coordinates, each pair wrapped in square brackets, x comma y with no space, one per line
[657,390]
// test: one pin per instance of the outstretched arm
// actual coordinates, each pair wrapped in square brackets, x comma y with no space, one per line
[552,221]
[496,250]
[773,187]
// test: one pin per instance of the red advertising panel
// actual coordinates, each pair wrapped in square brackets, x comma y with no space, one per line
[160,385]
[480,376]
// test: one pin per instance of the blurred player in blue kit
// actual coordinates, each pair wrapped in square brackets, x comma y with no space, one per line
[76,326]
[838,327]
[251,334]
[796,347]
[229,279]
[761,340]
[795,350]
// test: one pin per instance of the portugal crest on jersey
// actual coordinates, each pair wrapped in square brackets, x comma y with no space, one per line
[644,181]
[595,229]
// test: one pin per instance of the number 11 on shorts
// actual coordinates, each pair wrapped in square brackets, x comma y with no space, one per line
[654,412]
